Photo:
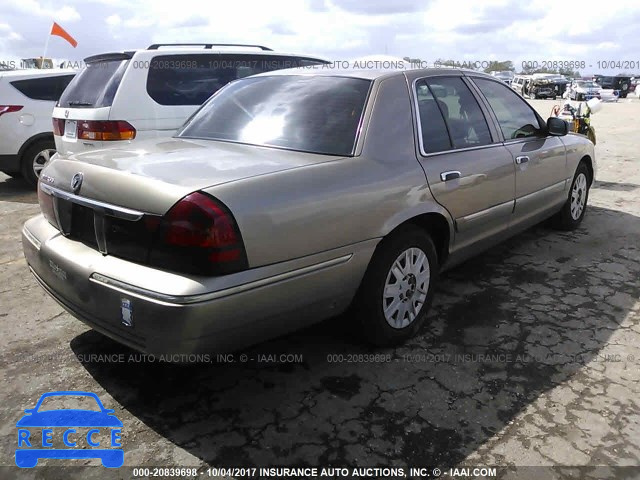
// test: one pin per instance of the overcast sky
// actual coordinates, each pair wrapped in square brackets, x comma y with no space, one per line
[336,29]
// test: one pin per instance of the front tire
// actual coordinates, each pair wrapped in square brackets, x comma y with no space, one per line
[574,209]
[396,292]
[34,159]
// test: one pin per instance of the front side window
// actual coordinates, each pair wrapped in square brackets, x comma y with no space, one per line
[516,118]
[192,79]
[315,114]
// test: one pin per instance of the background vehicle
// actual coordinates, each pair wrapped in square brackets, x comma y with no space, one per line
[582,90]
[618,82]
[519,82]
[506,76]
[541,86]
[27,98]
[292,195]
[137,95]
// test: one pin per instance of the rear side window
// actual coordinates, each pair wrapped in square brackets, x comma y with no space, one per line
[516,118]
[192,79]
[95,86]
[464,120]
[48,88]
[435,137]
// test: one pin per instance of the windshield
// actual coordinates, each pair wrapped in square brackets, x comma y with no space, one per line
[95,86]
[308,113]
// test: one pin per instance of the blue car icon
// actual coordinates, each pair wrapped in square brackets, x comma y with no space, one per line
[27,457]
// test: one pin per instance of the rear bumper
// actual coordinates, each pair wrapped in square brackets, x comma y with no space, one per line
[174,313]
[9,163]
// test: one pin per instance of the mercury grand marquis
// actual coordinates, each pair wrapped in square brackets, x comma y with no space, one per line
[294,196]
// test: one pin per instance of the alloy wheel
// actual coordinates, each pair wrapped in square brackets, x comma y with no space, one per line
[578,196]
[406,287]
[40,159]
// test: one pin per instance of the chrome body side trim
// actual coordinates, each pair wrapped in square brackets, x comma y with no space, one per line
[174,300]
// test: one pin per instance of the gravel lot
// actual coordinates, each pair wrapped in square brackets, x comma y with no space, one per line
[531,357]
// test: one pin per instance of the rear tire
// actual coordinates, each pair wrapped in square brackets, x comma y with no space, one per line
[574,209]
[34,159]
[395,295]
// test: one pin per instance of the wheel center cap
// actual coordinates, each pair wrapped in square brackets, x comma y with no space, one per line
[409,283]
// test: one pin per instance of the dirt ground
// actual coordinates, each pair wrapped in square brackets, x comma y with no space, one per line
[531,357]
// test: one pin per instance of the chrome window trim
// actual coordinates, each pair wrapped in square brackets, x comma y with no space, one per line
[180,300]
[423,153]
[102,207]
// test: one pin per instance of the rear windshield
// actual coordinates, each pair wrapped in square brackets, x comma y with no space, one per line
[312,114]
[191,79]
[95,86]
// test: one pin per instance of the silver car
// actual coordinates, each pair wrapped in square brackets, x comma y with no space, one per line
[292,196]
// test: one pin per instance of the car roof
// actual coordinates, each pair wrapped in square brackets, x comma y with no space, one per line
[368,74]
[36,72]
[207,51]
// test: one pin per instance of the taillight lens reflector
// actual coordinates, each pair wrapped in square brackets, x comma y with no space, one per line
[105,130]
[199,235]
[58,126]
[9,109]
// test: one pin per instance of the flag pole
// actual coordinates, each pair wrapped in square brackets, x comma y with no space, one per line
[46,46]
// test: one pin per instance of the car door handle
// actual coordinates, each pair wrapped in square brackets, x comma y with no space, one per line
[522,159]
[445,176]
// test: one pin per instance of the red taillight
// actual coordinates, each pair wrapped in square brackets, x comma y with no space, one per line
[105,130]
[199,235]
[9,109]
[58,126]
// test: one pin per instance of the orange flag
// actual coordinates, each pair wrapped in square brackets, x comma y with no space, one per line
[61,32]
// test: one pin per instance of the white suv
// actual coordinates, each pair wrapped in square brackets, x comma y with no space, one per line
[27,98]
[137,95]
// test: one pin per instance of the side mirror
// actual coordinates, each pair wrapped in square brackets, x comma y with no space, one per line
[557,127]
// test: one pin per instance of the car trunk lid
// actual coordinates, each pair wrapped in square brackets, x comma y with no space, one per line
[115,200]
[151,176]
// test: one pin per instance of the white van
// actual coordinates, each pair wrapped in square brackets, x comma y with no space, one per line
[137,95]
